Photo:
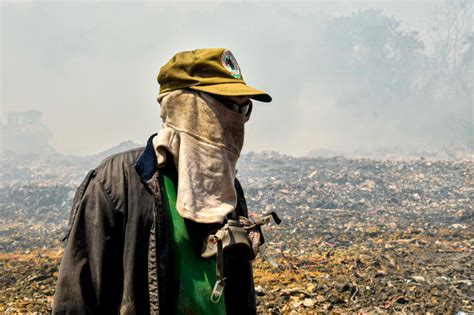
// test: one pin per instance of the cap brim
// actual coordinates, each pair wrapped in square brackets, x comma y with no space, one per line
[234,89]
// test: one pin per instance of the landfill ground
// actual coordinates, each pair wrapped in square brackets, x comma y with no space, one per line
[358,236]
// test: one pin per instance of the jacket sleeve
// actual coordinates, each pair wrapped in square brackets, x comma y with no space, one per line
[91,273]
[240,291]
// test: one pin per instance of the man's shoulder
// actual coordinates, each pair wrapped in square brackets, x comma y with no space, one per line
[115,174]
[116,170]
[122,159]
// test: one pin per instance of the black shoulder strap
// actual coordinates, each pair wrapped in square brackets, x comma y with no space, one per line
[241,208]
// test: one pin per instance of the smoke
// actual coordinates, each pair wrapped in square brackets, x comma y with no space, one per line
[343,77]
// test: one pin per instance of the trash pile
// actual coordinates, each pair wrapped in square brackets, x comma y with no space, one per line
[363,235]
[33,216]
[28,280]
[52,170]
[357,235]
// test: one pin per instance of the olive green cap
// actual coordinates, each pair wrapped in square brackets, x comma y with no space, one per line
[211,70]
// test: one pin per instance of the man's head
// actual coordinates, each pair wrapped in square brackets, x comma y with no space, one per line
[204,105]
[212,70]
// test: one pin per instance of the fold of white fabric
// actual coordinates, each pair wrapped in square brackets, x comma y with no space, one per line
[205,139]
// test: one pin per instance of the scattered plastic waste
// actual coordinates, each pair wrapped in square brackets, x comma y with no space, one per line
[357,235]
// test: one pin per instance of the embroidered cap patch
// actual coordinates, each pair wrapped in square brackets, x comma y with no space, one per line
[229,62]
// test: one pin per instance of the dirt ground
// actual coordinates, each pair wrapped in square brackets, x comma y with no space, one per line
[357,236]
[413,271]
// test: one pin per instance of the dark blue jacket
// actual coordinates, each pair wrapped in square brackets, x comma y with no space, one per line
[117,254]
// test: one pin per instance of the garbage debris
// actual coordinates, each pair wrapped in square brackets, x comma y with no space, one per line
[364,235]
[357,235]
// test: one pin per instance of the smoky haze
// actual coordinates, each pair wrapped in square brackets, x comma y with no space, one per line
[343,76]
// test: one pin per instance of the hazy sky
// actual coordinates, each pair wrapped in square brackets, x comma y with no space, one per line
[91,67]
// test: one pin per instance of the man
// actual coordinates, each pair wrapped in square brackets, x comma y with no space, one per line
[139,219]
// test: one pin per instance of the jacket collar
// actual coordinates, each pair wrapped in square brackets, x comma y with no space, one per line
[146,164]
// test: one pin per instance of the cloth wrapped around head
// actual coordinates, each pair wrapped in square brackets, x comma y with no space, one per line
[205,139]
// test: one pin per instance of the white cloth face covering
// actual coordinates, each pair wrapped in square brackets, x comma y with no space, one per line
[205,139]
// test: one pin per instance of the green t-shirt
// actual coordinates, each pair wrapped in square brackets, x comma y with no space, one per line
[195,276]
